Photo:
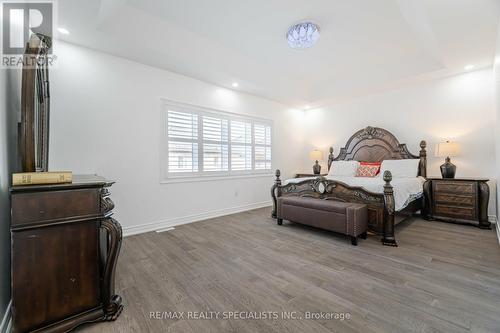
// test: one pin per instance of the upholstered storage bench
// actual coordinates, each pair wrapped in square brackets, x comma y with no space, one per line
[350,219]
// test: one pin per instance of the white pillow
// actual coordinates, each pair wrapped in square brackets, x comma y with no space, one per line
[401,168]
[343,168]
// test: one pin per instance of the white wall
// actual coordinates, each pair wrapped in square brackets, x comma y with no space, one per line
[105,119]
[10,89]
[460,108]
[497,106]
[4,200]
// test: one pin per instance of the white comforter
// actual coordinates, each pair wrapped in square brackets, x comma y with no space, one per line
[405,189]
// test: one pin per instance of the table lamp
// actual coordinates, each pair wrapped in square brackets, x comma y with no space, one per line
[316,155]
[446,150]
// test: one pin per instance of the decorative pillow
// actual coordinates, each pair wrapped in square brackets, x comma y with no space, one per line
[368,169]
[343,168]
[401,168]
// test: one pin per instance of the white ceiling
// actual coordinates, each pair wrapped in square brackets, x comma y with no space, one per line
[365,45]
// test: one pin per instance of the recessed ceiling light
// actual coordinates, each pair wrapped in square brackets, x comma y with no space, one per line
[235,84]
[63,31]
[469,67]
[302,35]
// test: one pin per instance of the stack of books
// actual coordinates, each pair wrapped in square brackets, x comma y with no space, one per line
[38,178]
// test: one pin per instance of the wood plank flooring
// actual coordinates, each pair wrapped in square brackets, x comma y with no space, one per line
[442,278]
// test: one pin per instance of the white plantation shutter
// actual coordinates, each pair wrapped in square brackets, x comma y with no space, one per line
[262,137]
[241,146]
[182,133]
[215,144]
[260,134]
[201,142]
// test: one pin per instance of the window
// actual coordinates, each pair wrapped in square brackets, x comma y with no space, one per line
[199,142]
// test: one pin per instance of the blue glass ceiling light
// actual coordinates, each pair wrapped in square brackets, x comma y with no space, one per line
[302,35]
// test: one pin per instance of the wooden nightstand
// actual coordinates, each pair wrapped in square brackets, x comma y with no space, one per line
[457,200]
[304,175]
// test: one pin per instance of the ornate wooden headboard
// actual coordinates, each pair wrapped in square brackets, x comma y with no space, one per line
[374,144]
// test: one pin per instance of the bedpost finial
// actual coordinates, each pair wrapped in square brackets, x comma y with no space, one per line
[387,176]
[331,150]
[278,173]
[423,144]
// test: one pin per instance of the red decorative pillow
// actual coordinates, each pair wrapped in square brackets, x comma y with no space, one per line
[378,164]
[368,169]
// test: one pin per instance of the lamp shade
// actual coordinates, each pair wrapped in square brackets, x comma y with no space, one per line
[316,155]
[448,149]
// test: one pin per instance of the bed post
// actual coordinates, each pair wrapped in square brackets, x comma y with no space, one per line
[330,158]
[425,212]
[423,159]
[276,192]
[389,210]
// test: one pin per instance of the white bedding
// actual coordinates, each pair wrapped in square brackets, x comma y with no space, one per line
[405,189]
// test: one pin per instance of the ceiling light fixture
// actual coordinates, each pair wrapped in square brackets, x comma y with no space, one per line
[235,84]
[63,31]
[302,35]
[469,67]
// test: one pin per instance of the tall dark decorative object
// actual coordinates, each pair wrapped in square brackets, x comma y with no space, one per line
[33,130]
[316,155]
[447,150]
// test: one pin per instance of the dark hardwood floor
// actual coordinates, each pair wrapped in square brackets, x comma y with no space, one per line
[442,278]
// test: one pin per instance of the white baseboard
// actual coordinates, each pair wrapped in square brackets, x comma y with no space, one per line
[492,219]
[163,224]
[6,323]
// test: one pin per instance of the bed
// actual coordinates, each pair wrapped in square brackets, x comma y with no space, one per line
[389,201]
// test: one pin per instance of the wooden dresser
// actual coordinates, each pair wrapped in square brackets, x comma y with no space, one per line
[64,250]
[457,200]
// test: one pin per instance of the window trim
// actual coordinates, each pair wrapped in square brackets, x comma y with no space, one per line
[165,177]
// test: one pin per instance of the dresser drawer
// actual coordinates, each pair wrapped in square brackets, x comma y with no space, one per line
[465,213]
[455,187]
[457,200]
[39,207]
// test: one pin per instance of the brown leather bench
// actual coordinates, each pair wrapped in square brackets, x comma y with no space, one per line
[343,217]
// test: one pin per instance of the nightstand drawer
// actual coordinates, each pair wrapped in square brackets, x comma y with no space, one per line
[457,200]
[455,187]
[465,213]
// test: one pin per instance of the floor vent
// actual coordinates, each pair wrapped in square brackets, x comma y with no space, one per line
[165,229]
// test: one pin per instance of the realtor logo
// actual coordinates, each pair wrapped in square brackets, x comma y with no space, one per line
[20,20]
